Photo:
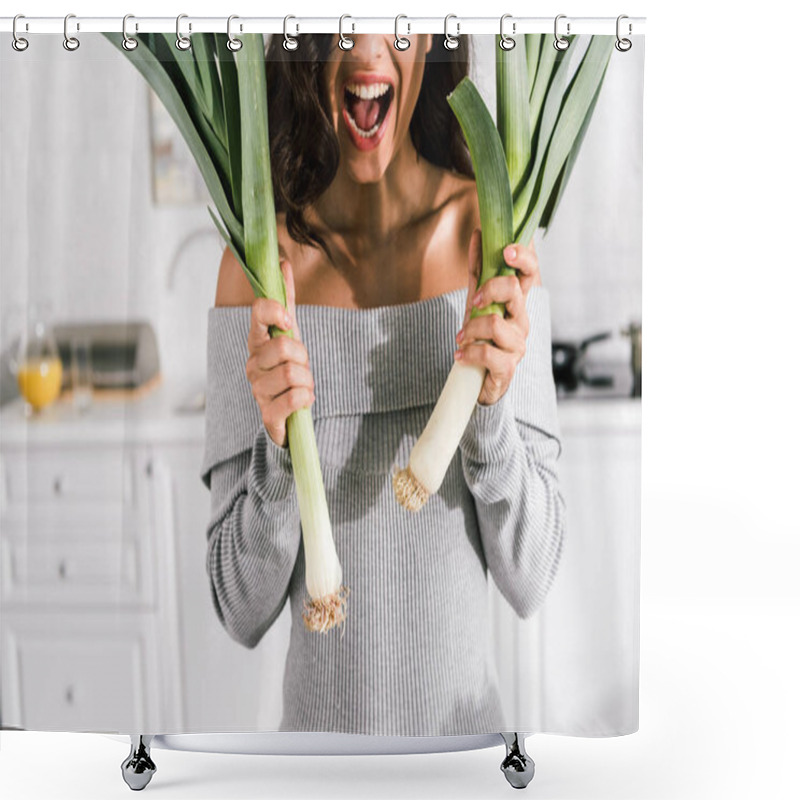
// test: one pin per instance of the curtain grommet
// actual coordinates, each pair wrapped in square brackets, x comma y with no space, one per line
[507,42]
[182,42]
[401,43]
[71,43]
[19,43]
[623,45]
[559,42]
[128,42]
[451,42]
[290,43]
[345,42]
[233,44]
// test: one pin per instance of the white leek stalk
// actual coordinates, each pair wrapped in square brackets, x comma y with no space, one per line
[520,173]
[326,607]
[435,448]
[228,137]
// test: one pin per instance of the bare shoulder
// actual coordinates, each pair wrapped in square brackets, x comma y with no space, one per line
[233,288]
[460,194]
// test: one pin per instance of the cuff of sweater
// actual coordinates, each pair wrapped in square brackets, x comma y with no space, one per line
[271,472]
[490,432]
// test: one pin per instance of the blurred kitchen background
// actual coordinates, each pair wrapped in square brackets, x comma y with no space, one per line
[106,238]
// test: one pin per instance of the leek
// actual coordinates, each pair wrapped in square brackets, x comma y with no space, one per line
[221,111]
[521,168]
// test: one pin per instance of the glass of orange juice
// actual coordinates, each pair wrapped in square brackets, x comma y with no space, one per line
[38,366]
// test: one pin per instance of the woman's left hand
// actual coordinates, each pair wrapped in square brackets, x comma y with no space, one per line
[504,337]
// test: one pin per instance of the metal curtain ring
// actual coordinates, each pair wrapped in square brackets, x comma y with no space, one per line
[233,44]
[345,42]
[451,42]
[623,45]
[70,42]
[559,42]
[182,42]
[400,42]
[506,42]
[18,43]
[289,42]
[127,42]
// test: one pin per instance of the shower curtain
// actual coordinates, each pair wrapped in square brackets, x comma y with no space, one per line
[161,551]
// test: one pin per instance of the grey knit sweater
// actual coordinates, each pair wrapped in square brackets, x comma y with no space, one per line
[414,657]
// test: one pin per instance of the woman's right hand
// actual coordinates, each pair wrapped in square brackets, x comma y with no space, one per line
[278,367]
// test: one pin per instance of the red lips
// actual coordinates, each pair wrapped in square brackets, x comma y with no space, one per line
[366,102]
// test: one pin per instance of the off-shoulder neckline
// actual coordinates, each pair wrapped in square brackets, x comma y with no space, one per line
[303,308]
[393,306]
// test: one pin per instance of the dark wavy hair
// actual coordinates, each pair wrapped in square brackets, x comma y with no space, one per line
[303,145]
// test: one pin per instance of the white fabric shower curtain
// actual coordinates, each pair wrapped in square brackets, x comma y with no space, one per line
[573,667]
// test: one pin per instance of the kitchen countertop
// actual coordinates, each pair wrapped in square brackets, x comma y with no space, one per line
[153,418]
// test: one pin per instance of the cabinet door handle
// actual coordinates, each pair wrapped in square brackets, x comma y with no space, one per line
[62,569]
[69,695]
[57,485]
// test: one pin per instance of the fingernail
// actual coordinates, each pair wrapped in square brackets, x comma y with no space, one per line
[288,320]
[460,335]
[459,354]
[511,253]
[477,299]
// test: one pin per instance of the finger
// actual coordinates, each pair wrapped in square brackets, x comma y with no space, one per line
[526,262]
[293,400]
[499,363]
[288,280]
[263,313]
[281,350]
[502,332]
[474,270]
[504,289]
[282,377]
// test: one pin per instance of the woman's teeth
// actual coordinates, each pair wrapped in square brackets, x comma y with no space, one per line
[367,91]
[366,134]
[366,106]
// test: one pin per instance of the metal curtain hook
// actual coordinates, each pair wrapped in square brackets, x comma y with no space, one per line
[560,43]
[289,42]
[182,42]
[18,43]
[345,42]
[506,42]
[233,44]
[623,45]
[127,42]
[451,42]
[70,42]
[400,42]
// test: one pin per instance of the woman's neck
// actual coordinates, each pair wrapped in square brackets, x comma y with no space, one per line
[364,215]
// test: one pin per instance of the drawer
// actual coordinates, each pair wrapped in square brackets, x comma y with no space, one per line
[93,674]
[68,572]
[64,475]
[87,521]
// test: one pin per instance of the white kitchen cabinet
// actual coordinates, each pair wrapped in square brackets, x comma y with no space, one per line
[106,616]
[577,657]
[89,625]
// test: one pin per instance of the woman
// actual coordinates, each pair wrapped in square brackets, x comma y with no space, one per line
[378,230]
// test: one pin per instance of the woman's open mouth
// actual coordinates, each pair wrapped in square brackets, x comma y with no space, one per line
[365,109]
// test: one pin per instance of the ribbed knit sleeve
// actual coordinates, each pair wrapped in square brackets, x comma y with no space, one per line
[508,454]
[253,533]
[253,538]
